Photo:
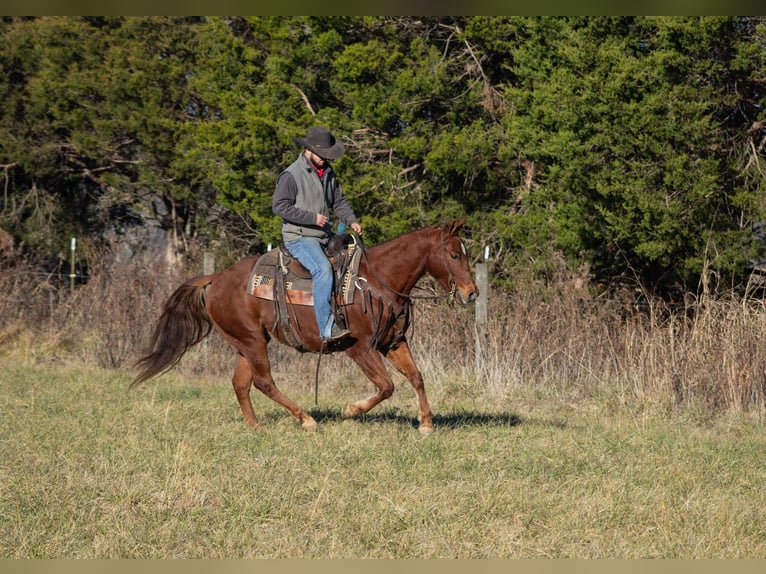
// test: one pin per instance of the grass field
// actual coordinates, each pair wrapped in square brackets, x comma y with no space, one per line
[89,470]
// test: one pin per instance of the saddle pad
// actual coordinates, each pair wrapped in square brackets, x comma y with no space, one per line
[261,281]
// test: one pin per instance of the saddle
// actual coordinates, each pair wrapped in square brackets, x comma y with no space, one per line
[278,276]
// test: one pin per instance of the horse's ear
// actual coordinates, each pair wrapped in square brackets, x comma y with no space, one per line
[455,226]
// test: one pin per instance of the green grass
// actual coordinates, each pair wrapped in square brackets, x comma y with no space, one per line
[88,470]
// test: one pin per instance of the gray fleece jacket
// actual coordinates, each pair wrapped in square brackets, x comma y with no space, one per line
[300,194]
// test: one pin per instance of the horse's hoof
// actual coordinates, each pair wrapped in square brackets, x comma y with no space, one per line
[349,411]
[253,425]
[426,431]
[309,425]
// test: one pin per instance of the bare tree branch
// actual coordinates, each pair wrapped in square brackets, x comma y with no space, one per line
[303,96]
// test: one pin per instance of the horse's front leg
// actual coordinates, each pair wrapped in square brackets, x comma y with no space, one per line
[401,358]
[372,365]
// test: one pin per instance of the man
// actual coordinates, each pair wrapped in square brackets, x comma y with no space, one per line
[305,193]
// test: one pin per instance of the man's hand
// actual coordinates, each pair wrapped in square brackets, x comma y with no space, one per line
[356,227]
[322,220]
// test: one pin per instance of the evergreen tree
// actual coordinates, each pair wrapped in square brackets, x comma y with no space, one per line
[631,146]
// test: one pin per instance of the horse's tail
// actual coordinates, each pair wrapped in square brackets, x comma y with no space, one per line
[184,323]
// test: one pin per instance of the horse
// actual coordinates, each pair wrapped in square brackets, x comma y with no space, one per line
[378,319]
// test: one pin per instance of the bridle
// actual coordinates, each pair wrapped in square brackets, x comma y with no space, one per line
[452,284]
[408,297]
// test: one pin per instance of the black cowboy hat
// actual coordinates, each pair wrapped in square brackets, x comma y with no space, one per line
[322,142]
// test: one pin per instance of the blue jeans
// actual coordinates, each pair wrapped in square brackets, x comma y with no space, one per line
[309,252]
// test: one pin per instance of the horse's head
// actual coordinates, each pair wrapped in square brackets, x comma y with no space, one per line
[451,267]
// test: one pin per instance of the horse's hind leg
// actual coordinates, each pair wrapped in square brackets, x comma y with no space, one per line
[261,378]
[401,358]
[243,380]
[266,385]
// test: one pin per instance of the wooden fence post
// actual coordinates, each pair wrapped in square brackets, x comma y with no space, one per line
[73,247]
[482,329]
[208,263]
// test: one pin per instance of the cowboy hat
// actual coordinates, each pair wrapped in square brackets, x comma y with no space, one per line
[320,141]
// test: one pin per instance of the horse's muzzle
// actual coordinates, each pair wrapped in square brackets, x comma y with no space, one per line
[463,299]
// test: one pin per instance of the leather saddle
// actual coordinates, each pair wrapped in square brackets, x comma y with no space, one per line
[279,277]
[279,266]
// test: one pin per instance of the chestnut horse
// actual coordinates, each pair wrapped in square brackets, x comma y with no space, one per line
[378,319]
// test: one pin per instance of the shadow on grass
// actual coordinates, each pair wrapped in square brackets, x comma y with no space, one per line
[450,420]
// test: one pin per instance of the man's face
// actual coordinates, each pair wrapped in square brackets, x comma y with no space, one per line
[316,160]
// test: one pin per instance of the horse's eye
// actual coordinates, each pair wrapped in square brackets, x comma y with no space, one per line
[455,256]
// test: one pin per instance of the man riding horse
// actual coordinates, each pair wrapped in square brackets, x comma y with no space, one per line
[305,193]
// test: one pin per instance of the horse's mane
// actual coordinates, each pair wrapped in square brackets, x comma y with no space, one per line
[395,240]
